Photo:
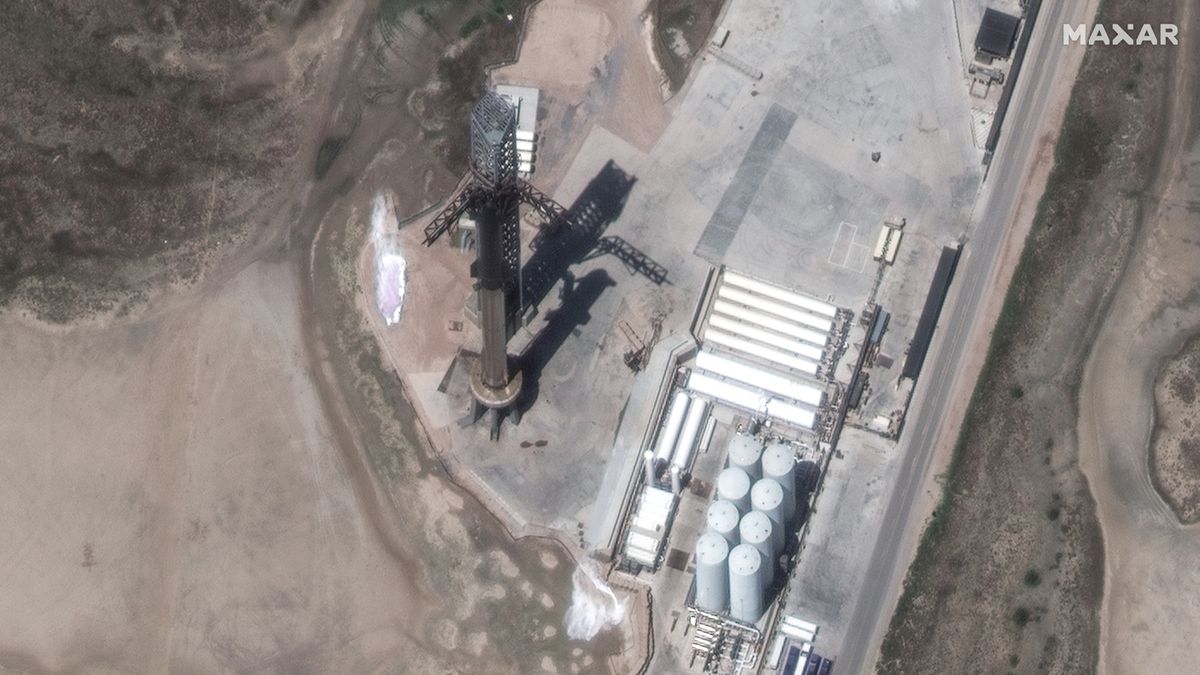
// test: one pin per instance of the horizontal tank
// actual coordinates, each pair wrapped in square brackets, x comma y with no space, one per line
[757,318]
[697,412]
[670,429]
[806,303]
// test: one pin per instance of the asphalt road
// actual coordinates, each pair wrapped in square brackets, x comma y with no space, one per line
[996,209]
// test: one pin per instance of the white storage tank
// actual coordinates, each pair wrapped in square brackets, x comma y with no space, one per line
[734,485]
[712,572]
[745,583]
[767,496]
[723,519]
[744,453]
[756,529]
[697,412]
[779,464]
[670,429]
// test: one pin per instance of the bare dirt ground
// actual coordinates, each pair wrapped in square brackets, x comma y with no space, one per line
[1009,576]
[1175,445]
[681,32]
[594,64]
[223,477]
[1151,611]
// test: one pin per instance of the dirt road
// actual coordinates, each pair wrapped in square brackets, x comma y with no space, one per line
[1151,610]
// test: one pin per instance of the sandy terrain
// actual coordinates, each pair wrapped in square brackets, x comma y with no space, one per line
[226,479]
[594,64]
[158,522]
[1151,612]
[1175,444]
[564,42]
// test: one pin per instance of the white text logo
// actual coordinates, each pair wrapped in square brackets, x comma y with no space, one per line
[1116,34]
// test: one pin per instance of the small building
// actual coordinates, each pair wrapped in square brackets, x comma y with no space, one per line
[997,35]
[525,100]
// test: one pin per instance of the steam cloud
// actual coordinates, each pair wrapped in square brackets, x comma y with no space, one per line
[594,606]
[389,264]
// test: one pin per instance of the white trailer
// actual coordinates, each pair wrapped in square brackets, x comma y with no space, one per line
[525,167]
[889,256]
[767,337]
[729,368]
[757,318]
[885,234]
[696,415]
[670,430]
[524,146]
[775,654]
[796,634]
[772,291]
[526,136]
[766,353]
[790,313]
[802,625]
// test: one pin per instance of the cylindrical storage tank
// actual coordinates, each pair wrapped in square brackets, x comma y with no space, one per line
[712,572]
[744,453]
[767,496]
[734,485]
[723,520]
[779,464]
[676,480]
[697,412]
[745,583]
[756,529]
[670,430]
[648,466]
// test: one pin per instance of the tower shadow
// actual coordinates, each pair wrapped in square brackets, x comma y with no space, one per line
[578,298]
[600,203]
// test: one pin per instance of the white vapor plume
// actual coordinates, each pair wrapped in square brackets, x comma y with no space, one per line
[594,606]
[389,264]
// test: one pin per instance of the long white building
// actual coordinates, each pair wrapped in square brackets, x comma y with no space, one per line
[764,350]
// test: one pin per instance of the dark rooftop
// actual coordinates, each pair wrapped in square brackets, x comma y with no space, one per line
[997,32]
